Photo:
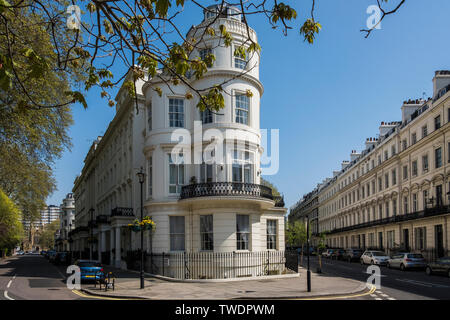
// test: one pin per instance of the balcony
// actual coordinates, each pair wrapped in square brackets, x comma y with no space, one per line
[122,212]
[429,212]
[226,189]
[279,201]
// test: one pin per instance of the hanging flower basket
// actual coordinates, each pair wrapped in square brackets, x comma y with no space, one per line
[145,224]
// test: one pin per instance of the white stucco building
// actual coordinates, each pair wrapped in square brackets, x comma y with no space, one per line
[395,194]
[198,204]
[66,222]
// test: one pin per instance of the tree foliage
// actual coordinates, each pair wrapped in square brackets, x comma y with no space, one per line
[296,234]
[47,236]
[32,135]
[11,230]
[143,35]
[266,183]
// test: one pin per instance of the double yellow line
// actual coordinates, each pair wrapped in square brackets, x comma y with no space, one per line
[356,295]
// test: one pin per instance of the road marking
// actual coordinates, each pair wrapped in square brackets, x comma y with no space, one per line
[391,298]
[9,284]
[375,275]
[98,297]
[424,284]
[357,295]
[5,294]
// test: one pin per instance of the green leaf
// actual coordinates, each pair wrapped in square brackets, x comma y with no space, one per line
[4,5]
[162,6]
[77,97]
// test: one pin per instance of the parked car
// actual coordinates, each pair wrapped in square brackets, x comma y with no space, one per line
[20,253]
[337,254]
[327,253]
[62,258]
[440,266]
[49,253]
[374,257]
[405,260]
[352,255]
[52,256]
[43,253]
[90,269]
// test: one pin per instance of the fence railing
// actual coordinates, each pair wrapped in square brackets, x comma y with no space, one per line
[429,212]
[225,189]
[120,211]
[216,265]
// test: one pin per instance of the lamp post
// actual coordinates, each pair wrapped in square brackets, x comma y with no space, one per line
[91,212]
[141,176]
[308,272]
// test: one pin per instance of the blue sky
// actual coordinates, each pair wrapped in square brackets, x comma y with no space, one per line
[325,98]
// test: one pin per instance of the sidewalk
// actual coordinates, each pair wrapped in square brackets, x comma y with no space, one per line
[127,286]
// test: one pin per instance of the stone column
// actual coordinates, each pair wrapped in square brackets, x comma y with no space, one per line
[117,255]
[111,246]
[102,243]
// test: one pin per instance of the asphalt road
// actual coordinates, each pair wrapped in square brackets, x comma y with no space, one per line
[395,284]
[32,277]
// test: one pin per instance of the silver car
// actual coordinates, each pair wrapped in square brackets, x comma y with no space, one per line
[407,260]
[374,257]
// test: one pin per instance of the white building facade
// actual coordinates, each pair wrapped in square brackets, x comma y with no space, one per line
[395,194]
[199,205]
[67,222]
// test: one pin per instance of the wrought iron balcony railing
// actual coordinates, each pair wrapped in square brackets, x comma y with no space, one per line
[429,212]
[211,189]
[120,211]
[279,201]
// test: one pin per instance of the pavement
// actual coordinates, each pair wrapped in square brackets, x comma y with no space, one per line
[323,286]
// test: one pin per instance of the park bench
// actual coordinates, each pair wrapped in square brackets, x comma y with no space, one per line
[106,279]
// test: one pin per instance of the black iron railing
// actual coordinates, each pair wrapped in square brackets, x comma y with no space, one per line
[429,212]
[279,201]
[124,212]
[216,265]
[211,189]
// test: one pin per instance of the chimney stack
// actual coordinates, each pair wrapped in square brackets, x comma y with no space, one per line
[441,81]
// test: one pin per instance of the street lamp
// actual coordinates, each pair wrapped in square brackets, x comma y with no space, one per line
[91,212]
[141,176]
[308,272]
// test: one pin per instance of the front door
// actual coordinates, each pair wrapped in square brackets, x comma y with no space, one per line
[406,239]
[364,241]
[439,240]
[380,240]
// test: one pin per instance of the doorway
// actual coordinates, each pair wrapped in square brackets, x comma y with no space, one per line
[406,239]
[439,240]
